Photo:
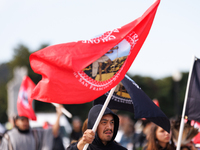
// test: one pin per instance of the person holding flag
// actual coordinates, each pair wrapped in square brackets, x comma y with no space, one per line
[22,137]
[106,132]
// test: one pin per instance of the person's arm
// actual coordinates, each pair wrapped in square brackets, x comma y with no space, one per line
[56,126]
[87,137]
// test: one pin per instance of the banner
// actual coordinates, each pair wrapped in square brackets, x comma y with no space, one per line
[24,101]
[79,72]
[130,97]
[193,100]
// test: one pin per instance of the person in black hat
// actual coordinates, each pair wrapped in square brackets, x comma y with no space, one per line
[106,132]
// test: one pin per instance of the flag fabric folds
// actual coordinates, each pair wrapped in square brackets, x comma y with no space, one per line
[79,72]
[137,102]
[193,100]
[24,101]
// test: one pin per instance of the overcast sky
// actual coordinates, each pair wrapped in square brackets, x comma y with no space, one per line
[170,46]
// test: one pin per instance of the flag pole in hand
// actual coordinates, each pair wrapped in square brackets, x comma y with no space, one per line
[101,113]
[64,111]
[184,107]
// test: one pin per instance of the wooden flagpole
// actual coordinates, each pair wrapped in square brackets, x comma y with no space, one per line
[101,113]
[184,107]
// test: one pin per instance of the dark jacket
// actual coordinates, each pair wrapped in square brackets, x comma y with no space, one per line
[97,144]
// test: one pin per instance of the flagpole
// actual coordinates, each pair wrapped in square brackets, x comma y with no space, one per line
[184,106]
[101,113]
[64,111]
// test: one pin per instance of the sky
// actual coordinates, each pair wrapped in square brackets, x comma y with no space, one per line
[172,43]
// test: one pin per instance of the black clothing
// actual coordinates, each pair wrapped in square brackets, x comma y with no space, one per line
[97,143]
[140,140]
[112,146]
[58,143]
[75,135]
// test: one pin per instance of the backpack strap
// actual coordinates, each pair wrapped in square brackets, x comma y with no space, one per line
[6,136]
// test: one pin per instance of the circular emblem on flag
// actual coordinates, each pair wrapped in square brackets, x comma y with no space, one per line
[102,72]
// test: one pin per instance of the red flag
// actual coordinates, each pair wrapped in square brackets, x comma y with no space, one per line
[79,72]
[196,139]
[24,102]
[156,102]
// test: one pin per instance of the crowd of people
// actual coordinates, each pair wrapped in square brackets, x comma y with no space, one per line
[23,137]
[115,131]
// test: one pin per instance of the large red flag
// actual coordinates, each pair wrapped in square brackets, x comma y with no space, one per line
[79,72]
[24,102]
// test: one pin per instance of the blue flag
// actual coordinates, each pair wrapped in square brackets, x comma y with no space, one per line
[193,99]
[130,97]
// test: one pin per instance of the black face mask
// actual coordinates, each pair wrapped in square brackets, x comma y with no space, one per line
[23,131]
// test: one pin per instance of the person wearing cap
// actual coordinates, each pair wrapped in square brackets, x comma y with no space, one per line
[22,137]
[106,132]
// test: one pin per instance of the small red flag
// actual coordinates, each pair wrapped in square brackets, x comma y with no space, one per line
[156,102]
[24,102]
[79,72]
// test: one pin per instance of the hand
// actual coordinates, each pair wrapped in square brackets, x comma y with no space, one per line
[87,137]
[59,109]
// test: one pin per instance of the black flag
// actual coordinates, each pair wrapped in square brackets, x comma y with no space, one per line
[193,100]
[132,98]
